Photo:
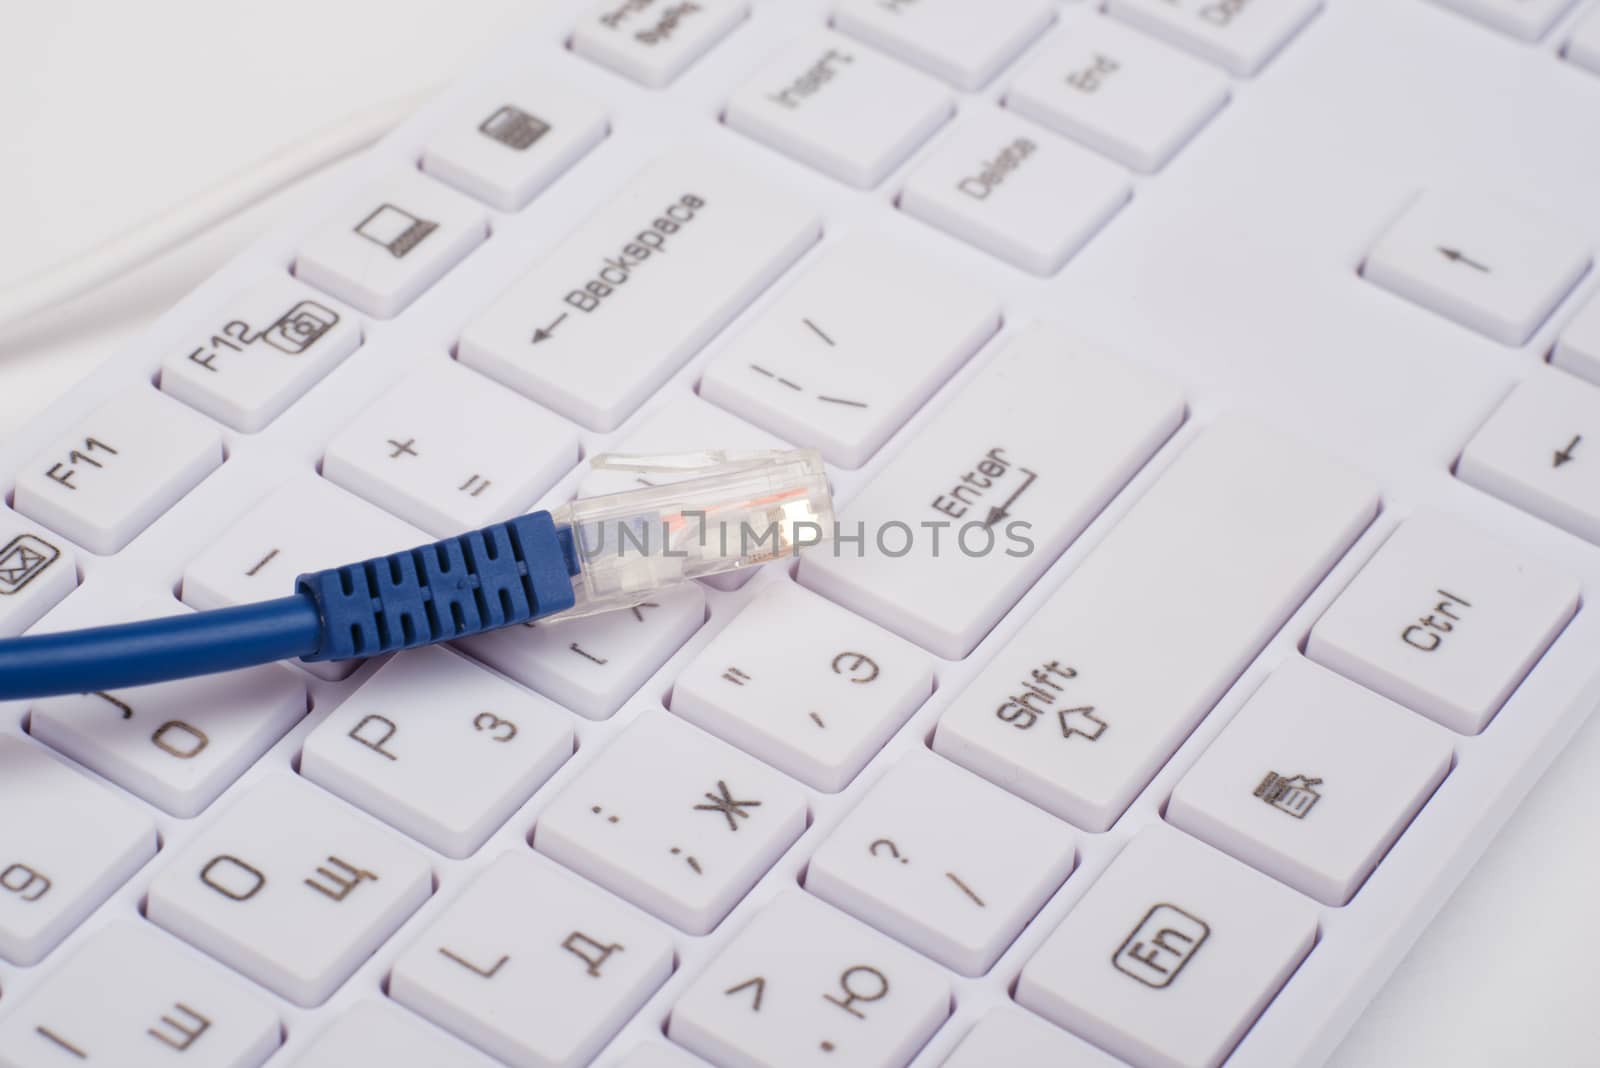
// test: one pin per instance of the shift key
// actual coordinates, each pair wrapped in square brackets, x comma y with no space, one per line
[607,316]
[1078,711]
[948,536]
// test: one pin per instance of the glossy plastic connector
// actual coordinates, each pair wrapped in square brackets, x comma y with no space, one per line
[721,511]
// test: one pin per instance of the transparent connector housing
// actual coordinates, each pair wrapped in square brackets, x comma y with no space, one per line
[722,511]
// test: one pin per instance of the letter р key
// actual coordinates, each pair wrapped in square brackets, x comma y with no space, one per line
[291,887]
[438,747]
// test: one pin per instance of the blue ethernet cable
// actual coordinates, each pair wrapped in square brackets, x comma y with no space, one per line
[592,555]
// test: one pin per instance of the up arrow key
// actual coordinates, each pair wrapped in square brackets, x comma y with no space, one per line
[1455,255]
[1490,266]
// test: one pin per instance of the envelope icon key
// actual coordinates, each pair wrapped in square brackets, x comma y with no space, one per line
[22,560]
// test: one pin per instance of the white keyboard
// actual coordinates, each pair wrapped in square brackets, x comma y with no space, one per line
[1276,323]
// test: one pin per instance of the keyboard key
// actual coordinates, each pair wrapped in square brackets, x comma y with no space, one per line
[131,995]
[805,685]
[78,842]
[803,980]
[439,748]
[264,349]
[1445,620]
[963,43]
[1044,435]
[535,987]
[684,424]
[448,450]
[604,318]
[1008,1036]
[37,569]
[1536,451]
[515,141]
[673,820]
[290,887]
[593,664]
[922,858]
[258,557]
[654,41]
[1578,348]
[1119,92]
[1527,19]
[1239,35]
[1312,781]
[176,744]
[115,472]
[1583,47]
[843,357]
[1171,954]
[379,1032]
[841,108]
[387,247]
[1088,700]
[1014,190]
[1483,265]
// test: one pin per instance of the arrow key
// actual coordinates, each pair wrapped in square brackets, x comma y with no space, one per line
[1482,264]
[1540,451]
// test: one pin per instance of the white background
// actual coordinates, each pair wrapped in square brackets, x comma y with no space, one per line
[113,111]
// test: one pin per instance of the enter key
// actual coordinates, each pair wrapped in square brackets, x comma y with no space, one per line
[947,537]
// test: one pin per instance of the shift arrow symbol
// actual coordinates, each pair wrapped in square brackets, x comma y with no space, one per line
[544,333]
[1455,255]
[1563,455]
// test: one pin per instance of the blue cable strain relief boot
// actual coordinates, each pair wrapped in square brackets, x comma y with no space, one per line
[511,572]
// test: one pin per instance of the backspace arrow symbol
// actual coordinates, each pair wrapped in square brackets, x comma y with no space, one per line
[544,333]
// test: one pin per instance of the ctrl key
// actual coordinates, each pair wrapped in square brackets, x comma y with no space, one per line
[1445,620]
[1171,955]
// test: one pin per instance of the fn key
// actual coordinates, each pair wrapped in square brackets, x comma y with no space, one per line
[1171,955]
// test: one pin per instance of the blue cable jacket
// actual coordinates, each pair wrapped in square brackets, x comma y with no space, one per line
[510,572]
[155,650]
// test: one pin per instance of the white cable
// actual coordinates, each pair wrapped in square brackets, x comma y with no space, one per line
[144,242]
